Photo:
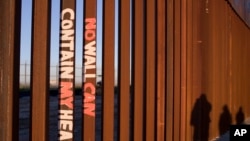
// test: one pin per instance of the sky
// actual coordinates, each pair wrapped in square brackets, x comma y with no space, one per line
[55,25]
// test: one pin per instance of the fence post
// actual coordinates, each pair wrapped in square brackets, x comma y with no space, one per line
[138,65]
[108,70]
[169,69]
[40,70]
[9,68]
[124,70]
[67,70]
[89,73]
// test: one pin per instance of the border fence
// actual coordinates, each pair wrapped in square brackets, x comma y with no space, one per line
[25,76]
[183,69]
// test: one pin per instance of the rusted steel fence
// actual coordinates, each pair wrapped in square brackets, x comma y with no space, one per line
[183,70]
[10,25]
[217,69]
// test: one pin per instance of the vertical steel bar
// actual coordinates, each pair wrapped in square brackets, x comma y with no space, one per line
[124,69]
[161,46]
[108,70]
[169,70]
[183,56]
[40,70]
[190,41]
[177,61]
[89,70]
[10,24]
[150,69]
[138,43]
[67,70]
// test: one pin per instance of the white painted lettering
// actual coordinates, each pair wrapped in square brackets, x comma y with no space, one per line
[90,49]
[66,114]
[64,135]
[66,72]
[70,12]
[67,35]
[65,55]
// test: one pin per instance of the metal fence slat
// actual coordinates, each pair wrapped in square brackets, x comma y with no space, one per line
[124,70]
[40,70]
[67,70]
[161,54]
[150,69]
[138,69]
[89,71]
[169,68]
[108,70]
[10,25]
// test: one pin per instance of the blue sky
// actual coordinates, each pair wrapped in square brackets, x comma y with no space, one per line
[55,23]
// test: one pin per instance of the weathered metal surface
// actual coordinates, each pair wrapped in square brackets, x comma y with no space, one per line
[67,70]
[160,72]
[124,70]
[177,71]
[190,26]
[169,69]
[150,59]
[10,24]
[183,68]
[217,42]
[40,64]
[89,70]
[108,70]
[138,69]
